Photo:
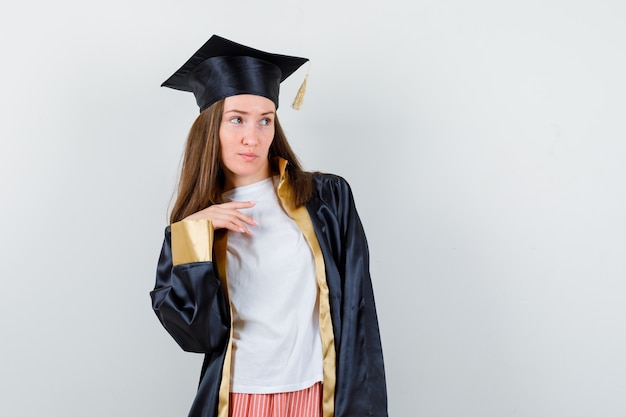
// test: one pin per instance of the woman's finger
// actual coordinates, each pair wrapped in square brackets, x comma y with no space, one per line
[227,216]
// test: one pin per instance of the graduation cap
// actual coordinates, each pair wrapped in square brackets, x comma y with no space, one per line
[222,68]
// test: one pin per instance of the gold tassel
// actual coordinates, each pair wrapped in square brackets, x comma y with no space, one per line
[297,102]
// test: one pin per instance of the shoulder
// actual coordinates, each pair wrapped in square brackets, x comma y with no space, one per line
[329,181]
[332,189]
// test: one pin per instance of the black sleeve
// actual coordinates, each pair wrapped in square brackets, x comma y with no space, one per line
[189,301]
[358,289]
[360,384]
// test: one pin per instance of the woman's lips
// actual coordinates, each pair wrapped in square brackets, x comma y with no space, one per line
[247,156]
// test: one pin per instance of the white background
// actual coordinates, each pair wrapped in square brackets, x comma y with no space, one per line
[484,140]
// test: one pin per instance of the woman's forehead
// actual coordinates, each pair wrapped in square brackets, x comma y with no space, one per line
[247,103]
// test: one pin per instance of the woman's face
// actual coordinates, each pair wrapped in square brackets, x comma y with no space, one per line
[246,133]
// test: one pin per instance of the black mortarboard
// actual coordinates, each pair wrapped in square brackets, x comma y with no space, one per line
[223,68]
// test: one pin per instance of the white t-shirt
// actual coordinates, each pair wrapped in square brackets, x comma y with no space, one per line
[273,291]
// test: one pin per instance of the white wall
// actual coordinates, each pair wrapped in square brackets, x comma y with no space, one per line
[485,143]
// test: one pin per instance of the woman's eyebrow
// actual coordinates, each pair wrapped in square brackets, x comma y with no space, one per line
[246,113]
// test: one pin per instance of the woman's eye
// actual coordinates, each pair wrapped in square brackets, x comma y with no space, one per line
[235,119]
[266,122]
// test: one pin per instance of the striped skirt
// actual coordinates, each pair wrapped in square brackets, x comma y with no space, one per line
[303,403]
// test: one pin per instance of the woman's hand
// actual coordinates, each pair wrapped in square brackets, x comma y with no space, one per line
[227,216]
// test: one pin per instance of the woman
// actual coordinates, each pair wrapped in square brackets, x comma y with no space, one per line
[264,268]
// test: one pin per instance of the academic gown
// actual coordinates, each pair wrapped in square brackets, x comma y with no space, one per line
[190,299]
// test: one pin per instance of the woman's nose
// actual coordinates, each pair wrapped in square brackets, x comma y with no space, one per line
[249,137]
